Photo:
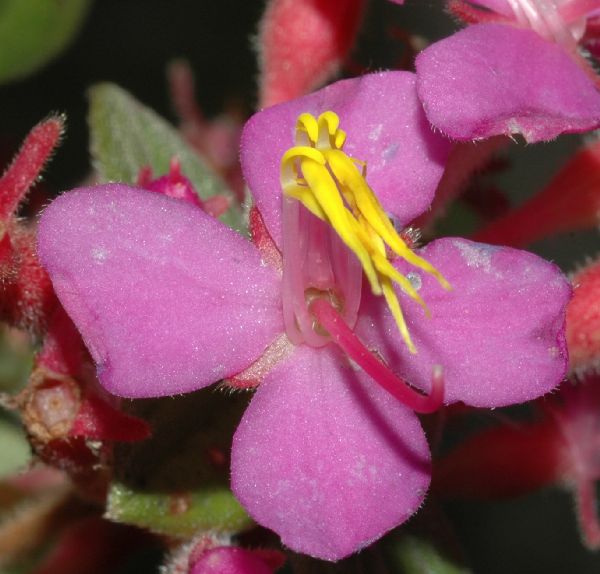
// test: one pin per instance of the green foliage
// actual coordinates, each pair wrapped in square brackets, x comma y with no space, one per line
[14,448]
[210,509]
[418,556]
[33,32]
[126,136]
[16,357]
[176,483]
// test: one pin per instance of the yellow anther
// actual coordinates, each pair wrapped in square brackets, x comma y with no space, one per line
[303,151]
[330,120]
[308,124]
[332,186]
[394,305]
[305,196]
[327,195]
[340,139]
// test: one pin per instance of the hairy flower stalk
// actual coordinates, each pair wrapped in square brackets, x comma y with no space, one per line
[26,296]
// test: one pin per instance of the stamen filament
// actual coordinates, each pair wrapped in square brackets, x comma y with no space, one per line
[346,339]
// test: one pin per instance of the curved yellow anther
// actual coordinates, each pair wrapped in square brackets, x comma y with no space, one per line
[330,120]
[332,186]
[301,151]
[346,172]
[339,139]
[307,123]
[306,197]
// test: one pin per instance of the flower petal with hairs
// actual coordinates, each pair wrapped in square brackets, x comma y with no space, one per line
[494,79]
[169,300]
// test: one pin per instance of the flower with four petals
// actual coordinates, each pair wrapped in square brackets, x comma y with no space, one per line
[326,313]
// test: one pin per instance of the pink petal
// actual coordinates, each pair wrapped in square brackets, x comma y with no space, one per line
[167,298]
[230,560]
[386,128]
[499,335]
[326,458]
[492,79]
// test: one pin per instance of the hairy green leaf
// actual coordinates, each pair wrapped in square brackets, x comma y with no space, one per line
[127,136]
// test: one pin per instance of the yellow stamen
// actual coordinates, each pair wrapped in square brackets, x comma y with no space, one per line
[332,186]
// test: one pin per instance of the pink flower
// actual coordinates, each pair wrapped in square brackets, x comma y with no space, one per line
[233,560]
[169,300]
[519,71]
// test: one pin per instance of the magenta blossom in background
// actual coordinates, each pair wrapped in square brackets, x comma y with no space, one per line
[518,71]
[169,300]
[232,560]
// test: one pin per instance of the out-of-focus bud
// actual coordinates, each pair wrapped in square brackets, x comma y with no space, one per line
[301,43]
[210,554]
[70,421]
[231,560]
[583,319]
[570,202]
[176,185]
[503,461]
[560,447]
[216,140]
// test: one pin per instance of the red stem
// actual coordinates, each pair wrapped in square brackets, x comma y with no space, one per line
[25,168]
[585,495]
[345,338]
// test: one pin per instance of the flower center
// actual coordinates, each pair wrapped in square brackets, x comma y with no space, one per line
[342,218]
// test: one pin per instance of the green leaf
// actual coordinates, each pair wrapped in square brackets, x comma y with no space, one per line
[213,509]
[16,359]
[172,484]
[126,136]
[417,556]
[33,32]
[14,448]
